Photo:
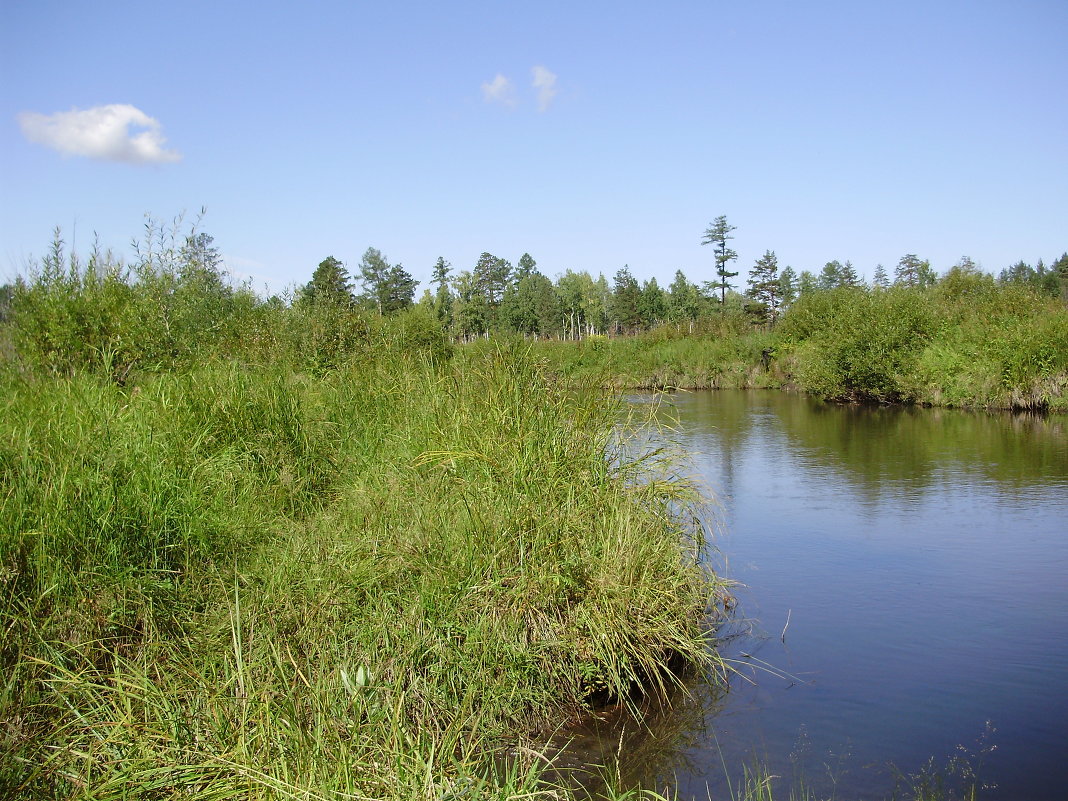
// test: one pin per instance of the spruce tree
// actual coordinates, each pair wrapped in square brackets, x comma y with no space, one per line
[626,298]
[330,283]
[764,286]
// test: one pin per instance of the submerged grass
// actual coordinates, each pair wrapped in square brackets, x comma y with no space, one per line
[239,582]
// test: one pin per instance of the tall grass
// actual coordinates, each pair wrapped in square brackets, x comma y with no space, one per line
[968,342]
[241,581]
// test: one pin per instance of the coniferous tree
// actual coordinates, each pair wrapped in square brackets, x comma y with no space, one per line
[374,271]
[652,305]
[531,306]
[524,267]
[831,275]
[764,287]
[908,271]
[492,276]
[330,283]
[848,276]
[442,297]
[881,280]
[788,286]
[718,234]
[398,289]
[626,297]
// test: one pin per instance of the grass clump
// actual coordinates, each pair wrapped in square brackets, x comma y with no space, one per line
[238,580]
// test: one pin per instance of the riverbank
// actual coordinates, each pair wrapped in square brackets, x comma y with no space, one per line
[968,343]
[239,581]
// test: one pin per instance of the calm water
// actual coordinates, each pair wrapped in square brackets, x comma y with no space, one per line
[921,559]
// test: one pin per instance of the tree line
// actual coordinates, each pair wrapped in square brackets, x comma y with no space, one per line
[496,297]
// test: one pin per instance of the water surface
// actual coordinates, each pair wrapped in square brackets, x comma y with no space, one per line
[917,560]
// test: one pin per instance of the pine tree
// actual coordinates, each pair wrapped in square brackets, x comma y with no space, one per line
[525,267]
[881,280]
[652,306]
[849,277]
[908,271]
[718,234]
[398,289]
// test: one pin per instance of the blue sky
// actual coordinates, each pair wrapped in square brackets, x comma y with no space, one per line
[591,135]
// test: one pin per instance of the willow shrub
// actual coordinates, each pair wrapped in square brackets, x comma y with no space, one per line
[101,315]
[850,344]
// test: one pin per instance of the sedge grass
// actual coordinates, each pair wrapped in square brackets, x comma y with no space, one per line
[241,582]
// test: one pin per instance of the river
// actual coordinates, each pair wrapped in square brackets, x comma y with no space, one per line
[903,608]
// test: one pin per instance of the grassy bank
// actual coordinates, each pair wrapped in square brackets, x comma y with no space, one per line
[967,342]
[257,549]
[240,581]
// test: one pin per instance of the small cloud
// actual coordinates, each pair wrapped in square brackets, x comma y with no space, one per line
[117,132]
[545,83]
[499,90]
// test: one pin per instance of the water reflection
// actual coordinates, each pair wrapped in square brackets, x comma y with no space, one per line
[921,559]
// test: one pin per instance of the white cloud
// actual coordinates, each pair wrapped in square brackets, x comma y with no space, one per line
[117,132]
[545,83]
[499,90]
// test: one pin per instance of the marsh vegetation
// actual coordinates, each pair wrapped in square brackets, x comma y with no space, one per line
[318,546]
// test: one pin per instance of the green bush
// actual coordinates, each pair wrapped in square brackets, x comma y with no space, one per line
[859,346]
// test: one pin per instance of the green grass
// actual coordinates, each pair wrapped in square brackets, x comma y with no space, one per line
[967,343]
[239,581]
[258,551]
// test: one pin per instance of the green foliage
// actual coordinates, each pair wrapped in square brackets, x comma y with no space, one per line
[443,300]
[626,301]
[301,550]
[330,284]
[1052,281]
[718,234]
[857,345]
[171,308]
[765,288]
[236,580]
[532,306]
[418,332]
[389,288]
